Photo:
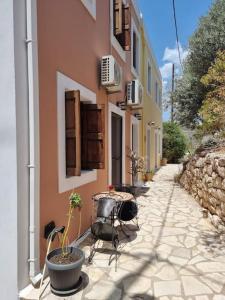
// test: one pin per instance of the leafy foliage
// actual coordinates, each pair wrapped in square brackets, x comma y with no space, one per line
[75,200]
[213,108]
[174,142]
[203,46]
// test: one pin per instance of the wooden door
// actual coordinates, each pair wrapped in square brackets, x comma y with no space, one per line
[116,149]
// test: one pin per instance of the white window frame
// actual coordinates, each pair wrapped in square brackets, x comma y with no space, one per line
[147,83]
[116,45]
[91,7]
[115,109]
[67,183]
[135,72]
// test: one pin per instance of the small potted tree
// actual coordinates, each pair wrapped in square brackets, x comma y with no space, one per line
[65,263]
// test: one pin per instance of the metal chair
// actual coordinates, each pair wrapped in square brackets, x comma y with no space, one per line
[128,211]
[104,229]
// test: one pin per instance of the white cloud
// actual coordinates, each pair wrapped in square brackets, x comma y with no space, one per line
[171,57]
[166,70]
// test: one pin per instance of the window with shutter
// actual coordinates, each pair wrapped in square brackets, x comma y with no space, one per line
[122,24]
[117,14]
[126,27]
[72,127]
[92,136]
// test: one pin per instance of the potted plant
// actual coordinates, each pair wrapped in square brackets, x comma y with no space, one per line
[163,161]
[150,174]
[137,165]
[65,263]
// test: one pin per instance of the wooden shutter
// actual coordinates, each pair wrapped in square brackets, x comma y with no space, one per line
[126,27]
[93,136]
[117,13]
[125,37]
[72,127]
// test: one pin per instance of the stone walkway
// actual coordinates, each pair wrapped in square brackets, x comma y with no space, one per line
[175,255]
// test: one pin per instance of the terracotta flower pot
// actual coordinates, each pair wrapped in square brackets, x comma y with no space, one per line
[164,162]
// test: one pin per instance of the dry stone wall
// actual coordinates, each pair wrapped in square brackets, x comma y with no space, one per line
[204,178]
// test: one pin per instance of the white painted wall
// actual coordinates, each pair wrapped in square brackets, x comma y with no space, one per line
[8,156]
[20,60]
[14,154]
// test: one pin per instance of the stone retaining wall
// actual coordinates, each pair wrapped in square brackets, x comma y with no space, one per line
[204,178]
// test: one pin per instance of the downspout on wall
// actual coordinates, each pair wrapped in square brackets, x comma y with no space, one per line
[32,73]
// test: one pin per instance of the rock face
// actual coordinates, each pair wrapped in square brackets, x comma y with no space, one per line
[204,178]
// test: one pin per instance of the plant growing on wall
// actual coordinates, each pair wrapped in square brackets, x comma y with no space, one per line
[74,201]
[137,165]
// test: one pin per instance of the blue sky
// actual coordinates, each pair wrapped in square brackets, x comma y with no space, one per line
[158,17]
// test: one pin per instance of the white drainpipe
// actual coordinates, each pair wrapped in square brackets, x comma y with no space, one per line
[32,151]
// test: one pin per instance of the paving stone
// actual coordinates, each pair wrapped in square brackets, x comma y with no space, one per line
[175,260]
[219,297]
[196,260]
[167,273]
[190,242]
[202,298]
[167,288]
[215,281]
[211,267]
[104,290]
[182,252]
[136,284]
[192,286]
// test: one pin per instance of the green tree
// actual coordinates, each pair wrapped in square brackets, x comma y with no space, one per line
[203,46]
[174,142]
[213,108]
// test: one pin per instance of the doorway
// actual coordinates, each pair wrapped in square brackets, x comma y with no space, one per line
[148,148]
[117,133]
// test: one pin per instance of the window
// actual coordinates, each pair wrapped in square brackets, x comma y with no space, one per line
[160,99]
[156,92]
[135,50]
[121,23]
[91,7]
[149,78]
[84,133]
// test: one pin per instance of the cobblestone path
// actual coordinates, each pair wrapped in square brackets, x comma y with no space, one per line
[175,255]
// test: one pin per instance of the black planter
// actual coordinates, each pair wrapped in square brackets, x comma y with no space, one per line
[65,278]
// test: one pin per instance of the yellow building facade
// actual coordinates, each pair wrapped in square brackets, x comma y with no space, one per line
[151,124]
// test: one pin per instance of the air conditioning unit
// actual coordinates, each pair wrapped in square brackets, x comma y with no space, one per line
[111,74]
[134,93]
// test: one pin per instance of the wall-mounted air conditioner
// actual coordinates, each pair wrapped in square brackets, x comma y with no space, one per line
[111,74]
[134,93]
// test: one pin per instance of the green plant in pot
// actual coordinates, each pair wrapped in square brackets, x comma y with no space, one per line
[150,174]
[65,263]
